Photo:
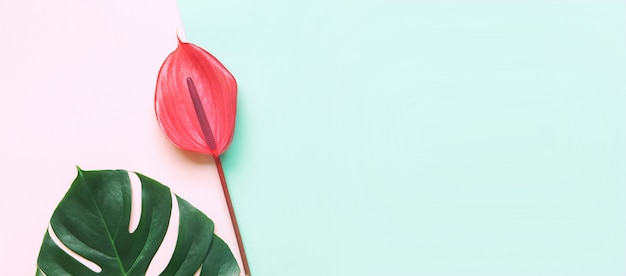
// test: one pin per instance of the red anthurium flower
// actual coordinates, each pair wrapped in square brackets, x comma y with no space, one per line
[196,103]
[196,100]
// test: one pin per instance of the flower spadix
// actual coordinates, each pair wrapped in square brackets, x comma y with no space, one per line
[196,100]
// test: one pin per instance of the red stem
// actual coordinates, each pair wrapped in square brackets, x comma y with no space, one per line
[231,211]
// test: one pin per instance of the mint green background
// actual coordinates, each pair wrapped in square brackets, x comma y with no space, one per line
[425,138]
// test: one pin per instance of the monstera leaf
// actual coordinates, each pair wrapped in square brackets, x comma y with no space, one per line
[91,231]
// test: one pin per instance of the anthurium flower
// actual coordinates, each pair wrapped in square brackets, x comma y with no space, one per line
[196,100]
[196,104]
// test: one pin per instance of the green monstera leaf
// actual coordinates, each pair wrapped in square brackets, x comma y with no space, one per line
[91,231]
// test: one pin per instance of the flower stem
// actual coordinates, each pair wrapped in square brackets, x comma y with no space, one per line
[233,218]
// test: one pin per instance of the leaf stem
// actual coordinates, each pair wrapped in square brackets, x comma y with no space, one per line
[233,218]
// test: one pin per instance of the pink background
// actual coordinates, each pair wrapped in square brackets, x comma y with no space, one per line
[77,79]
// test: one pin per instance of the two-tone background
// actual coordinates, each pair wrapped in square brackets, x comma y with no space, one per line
[433,138]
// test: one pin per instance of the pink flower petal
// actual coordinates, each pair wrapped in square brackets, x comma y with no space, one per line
[196,100]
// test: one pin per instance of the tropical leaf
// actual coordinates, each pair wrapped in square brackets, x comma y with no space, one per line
[93,221]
